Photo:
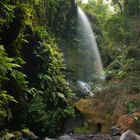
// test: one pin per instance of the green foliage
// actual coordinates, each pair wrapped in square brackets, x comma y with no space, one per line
[58,15]
[51,73]
[6,12]
[50,96]
[48,122]
[116,68]
[132,8]
[117,37]
[10,76]
[83,129]
[120,24]
[124,66]
[50,104]
[6,63]
[49,100]
[132,106]
[6,66]
[4,109]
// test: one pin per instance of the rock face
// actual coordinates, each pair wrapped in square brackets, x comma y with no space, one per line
[126,122]
[107,109]
[129,135]
[96,114]
[115,131]
[24,134]
[86,137]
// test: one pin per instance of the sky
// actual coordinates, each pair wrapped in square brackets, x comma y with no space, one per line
[85,1]
[105,1]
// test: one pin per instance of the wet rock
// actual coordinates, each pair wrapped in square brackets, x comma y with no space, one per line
[65,137]
[96,115]
[87,137]
[84,89]
[115,131]
[33,136]
[8,136]
[129,135]
[24,134]
[71,124]
[76,137]
[28,134]
[18,135]
[46,138]
[101,114]
[102,137]
[116,137]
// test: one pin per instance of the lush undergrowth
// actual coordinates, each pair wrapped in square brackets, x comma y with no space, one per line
[34,92]
[33,89]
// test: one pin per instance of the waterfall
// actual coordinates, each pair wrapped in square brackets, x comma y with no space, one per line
[85,88]
[82,57]
[91,58]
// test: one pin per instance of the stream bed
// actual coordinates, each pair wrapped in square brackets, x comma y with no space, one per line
[86,137]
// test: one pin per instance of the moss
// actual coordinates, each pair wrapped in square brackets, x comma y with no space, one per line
[83,129]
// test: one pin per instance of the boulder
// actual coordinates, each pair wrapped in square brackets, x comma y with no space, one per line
[107,108]
[129,135]
[46,138]
[96,114]
[115,131]
[8,136]
[65,137]
[126,122]
[18,135]
[26,133]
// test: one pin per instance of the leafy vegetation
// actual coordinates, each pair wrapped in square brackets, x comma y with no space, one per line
[117,33]
[50,105]
[33,89]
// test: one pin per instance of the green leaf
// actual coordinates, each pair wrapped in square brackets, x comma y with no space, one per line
[61,95]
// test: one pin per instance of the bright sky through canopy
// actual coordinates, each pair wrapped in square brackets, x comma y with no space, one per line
[84,1]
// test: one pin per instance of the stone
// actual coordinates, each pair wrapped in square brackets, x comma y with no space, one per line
[28,134]
[126,122]
[107,109]
[102,137]
[65,137]
[46,138]
[96,115]
[8,136]
[116,137]
[33,136]
[25,132]
[115,131]
[18,134]
[129,135]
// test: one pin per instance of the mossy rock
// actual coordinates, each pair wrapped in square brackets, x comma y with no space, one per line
[28,134]
[96,114]
[103,110]
[8,136]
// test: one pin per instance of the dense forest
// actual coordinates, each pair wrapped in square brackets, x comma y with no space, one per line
[39,68]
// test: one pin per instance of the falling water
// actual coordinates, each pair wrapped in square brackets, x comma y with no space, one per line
[90,45]
[85,88]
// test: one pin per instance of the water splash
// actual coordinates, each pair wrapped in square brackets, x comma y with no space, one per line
[85,88]
[89,46]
